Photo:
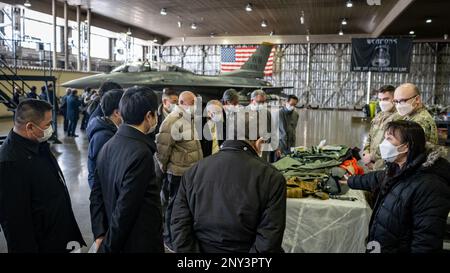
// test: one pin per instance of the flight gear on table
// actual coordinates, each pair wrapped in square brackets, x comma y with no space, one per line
[317,170]
[297,188]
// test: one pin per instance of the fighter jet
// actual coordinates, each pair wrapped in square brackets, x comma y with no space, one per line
[158,76]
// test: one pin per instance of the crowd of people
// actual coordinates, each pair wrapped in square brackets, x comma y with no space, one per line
[47,94]
[180,175]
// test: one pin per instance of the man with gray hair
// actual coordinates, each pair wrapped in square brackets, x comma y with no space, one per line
[213,128]
[243,200]
[230,99]
[258,105]
[35,209]
[408,101]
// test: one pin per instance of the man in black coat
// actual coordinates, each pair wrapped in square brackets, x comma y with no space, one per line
[125,204]
[35,209]
[237,199]
[104,88]
[169,101]
[102,129]
[213,129]
[64,108]
[73,112]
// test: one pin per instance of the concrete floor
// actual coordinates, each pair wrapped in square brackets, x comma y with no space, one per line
[337,127]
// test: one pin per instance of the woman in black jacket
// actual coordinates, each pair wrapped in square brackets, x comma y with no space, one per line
[412,194]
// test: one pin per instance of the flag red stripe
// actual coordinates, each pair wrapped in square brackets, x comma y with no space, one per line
[242,54]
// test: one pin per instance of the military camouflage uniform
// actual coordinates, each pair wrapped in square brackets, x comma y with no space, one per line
[376,136]
[424,119]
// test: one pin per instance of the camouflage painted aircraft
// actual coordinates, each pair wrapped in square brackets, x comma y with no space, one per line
[158,76]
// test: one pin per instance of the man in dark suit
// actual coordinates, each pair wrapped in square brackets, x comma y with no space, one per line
[125,204]
[214,128]
[35,209]
[73,112]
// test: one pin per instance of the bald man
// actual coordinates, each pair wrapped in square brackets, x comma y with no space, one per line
[408,101]
[178,148]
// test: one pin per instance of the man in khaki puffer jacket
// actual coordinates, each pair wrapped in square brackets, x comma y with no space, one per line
[178,148]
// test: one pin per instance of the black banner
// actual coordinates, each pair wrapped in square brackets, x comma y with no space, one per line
[381,55]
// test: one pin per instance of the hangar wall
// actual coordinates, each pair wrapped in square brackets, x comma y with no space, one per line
[330,83]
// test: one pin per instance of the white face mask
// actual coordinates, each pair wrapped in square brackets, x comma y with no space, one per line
[386,106]
[190,109]
[171,107]
[404,109]
[257,106]
[47,133]
[289,107]
[232,108]
[389,152]
[153,128]
[217,117]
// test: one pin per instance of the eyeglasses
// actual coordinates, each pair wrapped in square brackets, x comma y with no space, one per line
[403,101]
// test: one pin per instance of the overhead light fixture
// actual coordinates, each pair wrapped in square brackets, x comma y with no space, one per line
[302,18]
[194,26]
[180,24]
[183,39]
[248,7]
[264,23]
[129,32]
[428,21]
[212,35]
[271,33]
[155,40]
[163,12]
[27,4]
[411,32]
[307,38]
[445,36]
[344,22]
[349,4]
[341,32]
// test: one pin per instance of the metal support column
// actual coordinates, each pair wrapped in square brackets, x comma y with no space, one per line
[204,55]
[54,34]
[66,36]
[150,53]
[88,40]
[308,73]
[111,46]
[79,37]
[369,87]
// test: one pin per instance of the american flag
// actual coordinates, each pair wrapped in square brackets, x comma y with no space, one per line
[233,58]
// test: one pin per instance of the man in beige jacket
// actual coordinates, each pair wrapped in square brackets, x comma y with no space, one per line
[178,148]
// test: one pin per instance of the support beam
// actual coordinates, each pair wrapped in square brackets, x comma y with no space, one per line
[88,40]
[2,20]
[66,36]
[54,34]
[308,73]
[276,39]
[369,86]
[399,7]
[145,50]
[79,37]
[111,46]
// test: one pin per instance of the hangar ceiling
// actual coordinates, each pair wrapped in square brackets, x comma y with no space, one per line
[283,17]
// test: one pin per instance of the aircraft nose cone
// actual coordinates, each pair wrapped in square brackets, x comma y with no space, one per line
[93,81]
